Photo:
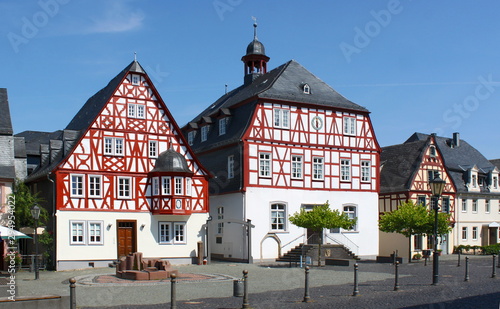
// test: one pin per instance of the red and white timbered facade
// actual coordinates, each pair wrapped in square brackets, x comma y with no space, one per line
[293,147]
[111,193]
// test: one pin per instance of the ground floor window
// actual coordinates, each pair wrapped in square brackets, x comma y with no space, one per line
[86,232]
[464,233]
[278,217]
[418,242]
[172,232]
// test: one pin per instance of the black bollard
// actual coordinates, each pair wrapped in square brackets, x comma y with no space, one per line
[72,293]
[306,288]
[396,276]
[356,289]
[466,268]
[245,290]
[458,265]
[494,273]
[173,296]
[498,266]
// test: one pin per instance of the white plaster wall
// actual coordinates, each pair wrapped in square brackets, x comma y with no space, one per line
[258,202]
[147,238]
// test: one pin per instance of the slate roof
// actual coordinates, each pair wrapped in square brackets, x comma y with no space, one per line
[496,162]
[91,109]
[283,83]
[399,163]
[33,140]
[5,121]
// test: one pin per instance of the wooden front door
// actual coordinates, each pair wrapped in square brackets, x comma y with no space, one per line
[313,238]
[127,241]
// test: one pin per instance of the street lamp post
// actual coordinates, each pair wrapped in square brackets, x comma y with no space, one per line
[437,186]
[35,213]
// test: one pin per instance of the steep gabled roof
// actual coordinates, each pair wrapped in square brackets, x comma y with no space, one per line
[458,159]
[94,105]
[5,121]
[399,163]
[284,83]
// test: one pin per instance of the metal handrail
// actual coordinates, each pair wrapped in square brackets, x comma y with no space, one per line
[292,241]
[349,244]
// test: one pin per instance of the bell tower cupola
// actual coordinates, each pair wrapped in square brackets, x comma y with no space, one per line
[255,60]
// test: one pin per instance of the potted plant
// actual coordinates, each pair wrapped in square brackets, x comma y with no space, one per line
[439,252]
[417,256]
[13,258]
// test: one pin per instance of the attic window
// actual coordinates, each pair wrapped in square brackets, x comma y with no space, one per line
[306,89]
[135,80]
[432,151]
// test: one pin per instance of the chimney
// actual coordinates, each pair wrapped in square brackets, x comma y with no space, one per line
[456,139]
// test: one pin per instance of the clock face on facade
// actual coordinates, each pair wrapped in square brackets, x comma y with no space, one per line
[178,204]
[317,123]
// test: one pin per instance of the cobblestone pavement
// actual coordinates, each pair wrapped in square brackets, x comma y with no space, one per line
[211,286]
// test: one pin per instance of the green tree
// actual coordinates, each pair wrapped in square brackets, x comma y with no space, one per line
[319,218]
[410,219]
[24,200]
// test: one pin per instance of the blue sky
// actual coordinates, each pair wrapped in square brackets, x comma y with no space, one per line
[418,66]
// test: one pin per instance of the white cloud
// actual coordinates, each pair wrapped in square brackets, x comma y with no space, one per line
[117,17]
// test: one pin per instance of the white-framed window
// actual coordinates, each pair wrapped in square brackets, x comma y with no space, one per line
[349,126]
[306,89]
[77,186]
[345,170]
[230,167]
[264,164]
[222,125]
[172,232]
[318,168]
[474,233]
[464,205]
[351,212]
[297,167]
[281,118]
[155,184]
[432,151]
[220,216]
[366,171]
[188,186]
[495,182]
[165,186]
[95,186]
[204,133]
[278,217]
[77,236]
[474,206]
[153,149]
[136,111]
[179,233]
[191,135]
[113,146]
[179,190]
[95,232]
[135,80]
[164,232]
[124,187]
[464,233]
[487,206]
[474,181]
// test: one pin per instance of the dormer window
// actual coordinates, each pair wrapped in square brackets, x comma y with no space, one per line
[222,125]
[306,89]
[204,133]
[191,135]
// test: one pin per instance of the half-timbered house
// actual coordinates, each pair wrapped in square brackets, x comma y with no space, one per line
[120,178]
[282,141]
[471,194]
